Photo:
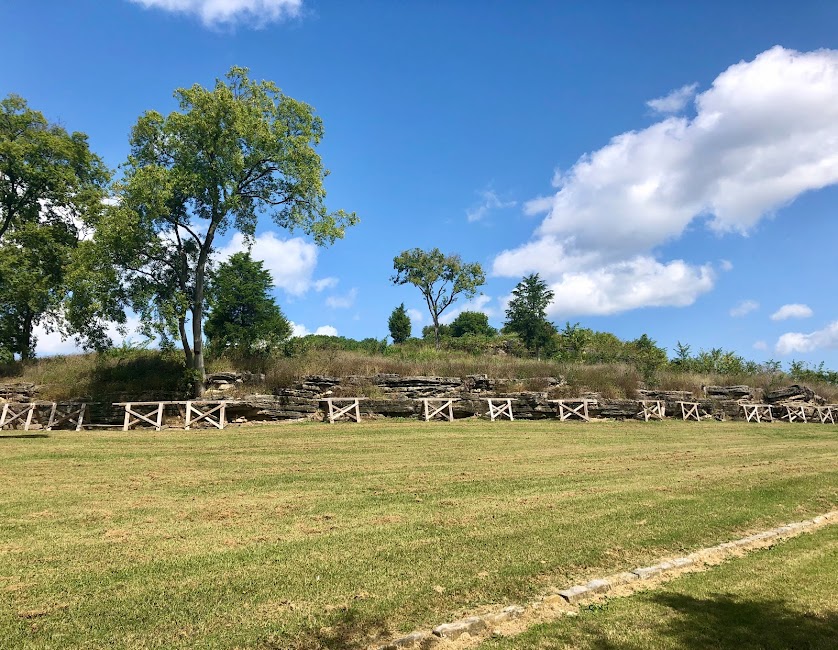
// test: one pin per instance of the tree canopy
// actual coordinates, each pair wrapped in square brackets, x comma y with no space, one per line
[224,157]
[526,314]
[441,279]
[471,322]
[47,175]
[51,187]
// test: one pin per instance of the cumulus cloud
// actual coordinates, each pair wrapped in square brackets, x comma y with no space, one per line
[342,302]
[763,133]
[290,261]
[489,201]
[298,329]
[230,12]
[799,342]
[636,283]
[743,308]
[795,310]
[674,102]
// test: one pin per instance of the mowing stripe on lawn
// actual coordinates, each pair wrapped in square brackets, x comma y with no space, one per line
[514,619]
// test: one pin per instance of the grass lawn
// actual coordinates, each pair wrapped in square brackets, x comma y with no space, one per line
[775,599]
[315,536]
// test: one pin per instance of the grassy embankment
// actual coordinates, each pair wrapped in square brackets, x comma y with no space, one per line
[316,536]
[131,372]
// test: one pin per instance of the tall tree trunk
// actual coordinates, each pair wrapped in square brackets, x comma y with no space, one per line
[26,351]
[184,340]
[436,330]
[198,334]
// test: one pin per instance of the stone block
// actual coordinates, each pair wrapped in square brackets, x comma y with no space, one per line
[472,625]
[644,573]
[621,578]
[574,594]
[598,586]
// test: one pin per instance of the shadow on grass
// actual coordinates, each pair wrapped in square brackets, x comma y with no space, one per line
[24,435]
[724,622]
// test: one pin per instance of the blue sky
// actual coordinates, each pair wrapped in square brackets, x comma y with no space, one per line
[669,168]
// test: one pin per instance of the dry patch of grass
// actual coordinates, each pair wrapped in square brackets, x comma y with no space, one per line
[317,536]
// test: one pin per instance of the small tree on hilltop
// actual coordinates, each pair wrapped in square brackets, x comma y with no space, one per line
[526,314]
[243,315]
[399,324]
[472,322]
[441,279]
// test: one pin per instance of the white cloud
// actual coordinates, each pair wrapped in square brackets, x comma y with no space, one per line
[416,316]
[760,345]
[298,329]
[792,311]
[342,302]
[726,265]
[290,261]
[765,132]
[799,342]
[635,283]
[675,101]
[229,12]
[478,303]
[743,308]
[325,283]
[489,201]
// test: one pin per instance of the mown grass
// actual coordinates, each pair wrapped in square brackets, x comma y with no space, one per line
[317,536]
[774,599]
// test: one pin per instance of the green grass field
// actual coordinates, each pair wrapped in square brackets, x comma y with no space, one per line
[316,536]
[776,599]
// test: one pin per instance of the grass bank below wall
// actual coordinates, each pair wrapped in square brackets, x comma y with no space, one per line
[310,536]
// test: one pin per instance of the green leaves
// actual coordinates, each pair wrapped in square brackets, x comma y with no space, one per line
[51,185]
[441,278]
[230,154]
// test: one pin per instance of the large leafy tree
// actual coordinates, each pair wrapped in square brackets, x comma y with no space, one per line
[51,186]
[47,175]
[244,317]
[526,314]
[441,279]
[227,155]
[399,324]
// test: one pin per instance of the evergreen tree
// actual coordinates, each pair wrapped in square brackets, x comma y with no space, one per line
[526,314]
[244,317]
[399,324]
